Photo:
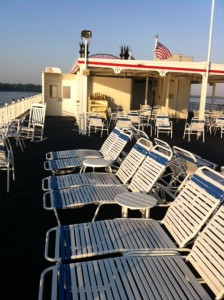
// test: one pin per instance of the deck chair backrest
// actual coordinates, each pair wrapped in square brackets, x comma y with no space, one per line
[119,144]
[207,256]
[95,120]
[150,170]
[196,202]
[219,121]
[110,140]
[197,124]
[186,160]
[123,122]
[37,114]
[134,117]
[162,120]
[133,159]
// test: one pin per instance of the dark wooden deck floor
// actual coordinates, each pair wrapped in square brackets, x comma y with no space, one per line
[24,222]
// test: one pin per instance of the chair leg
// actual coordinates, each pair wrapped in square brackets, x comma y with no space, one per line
[8,179]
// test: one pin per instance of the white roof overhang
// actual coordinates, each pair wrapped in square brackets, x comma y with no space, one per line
[139,69]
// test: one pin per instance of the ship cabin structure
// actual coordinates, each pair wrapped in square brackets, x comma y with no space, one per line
[103,81]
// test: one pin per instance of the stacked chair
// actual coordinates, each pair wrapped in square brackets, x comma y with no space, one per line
[145,261]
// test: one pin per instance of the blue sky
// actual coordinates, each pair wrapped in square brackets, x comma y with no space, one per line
[35,34]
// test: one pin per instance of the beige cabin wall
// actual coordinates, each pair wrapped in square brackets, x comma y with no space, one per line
[118,89]
[179,96]
[60,105]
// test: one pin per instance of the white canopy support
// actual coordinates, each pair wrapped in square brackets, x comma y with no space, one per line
[213,96]
[205,77]
[146,89]
[167,90]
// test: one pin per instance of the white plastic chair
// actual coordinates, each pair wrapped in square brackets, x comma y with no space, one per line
[218,125]
[33,128]
[96,123]
[196,127]
[163,125]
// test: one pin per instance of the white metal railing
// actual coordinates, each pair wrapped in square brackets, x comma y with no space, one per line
[17,108]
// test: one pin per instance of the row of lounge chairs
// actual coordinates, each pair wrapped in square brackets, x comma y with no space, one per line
[146,258]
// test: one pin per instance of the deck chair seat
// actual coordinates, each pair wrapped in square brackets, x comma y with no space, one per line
[149,274]
[185,217]
[132,276]
[87,153]
[143,180]
[57,166]
[126,170]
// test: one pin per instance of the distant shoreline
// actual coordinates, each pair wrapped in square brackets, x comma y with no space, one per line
[208,97]
[19,87]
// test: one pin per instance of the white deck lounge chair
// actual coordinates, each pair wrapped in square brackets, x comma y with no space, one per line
[147,274]
[68,165]
[126,170]
[143,181]
[185,217]
[87,153]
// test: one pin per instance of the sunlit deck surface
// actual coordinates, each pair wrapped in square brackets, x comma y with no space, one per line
[24,222]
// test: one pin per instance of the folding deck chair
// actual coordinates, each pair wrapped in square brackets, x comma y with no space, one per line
[6,159]
[33,129]
[182,165]
[143,181]
[68,165]
[126,170]
[161,274]
[87,153]
[185,217]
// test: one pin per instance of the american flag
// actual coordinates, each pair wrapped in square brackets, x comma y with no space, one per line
[162,52]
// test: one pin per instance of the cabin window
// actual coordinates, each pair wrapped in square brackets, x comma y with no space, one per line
[66,92]
[53,91]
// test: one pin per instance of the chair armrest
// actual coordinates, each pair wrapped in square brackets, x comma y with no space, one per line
[47,201]
[54,232]
[46,184]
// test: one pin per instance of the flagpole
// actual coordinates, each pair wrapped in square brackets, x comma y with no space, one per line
[205,79]
[156,42]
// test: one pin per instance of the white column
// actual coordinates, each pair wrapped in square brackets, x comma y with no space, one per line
[167,91]
[205,77]
[213,96]
[146,89]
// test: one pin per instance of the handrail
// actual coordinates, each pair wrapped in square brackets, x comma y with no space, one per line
[17,108]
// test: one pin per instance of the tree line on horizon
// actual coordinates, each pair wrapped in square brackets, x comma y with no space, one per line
[28,87]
